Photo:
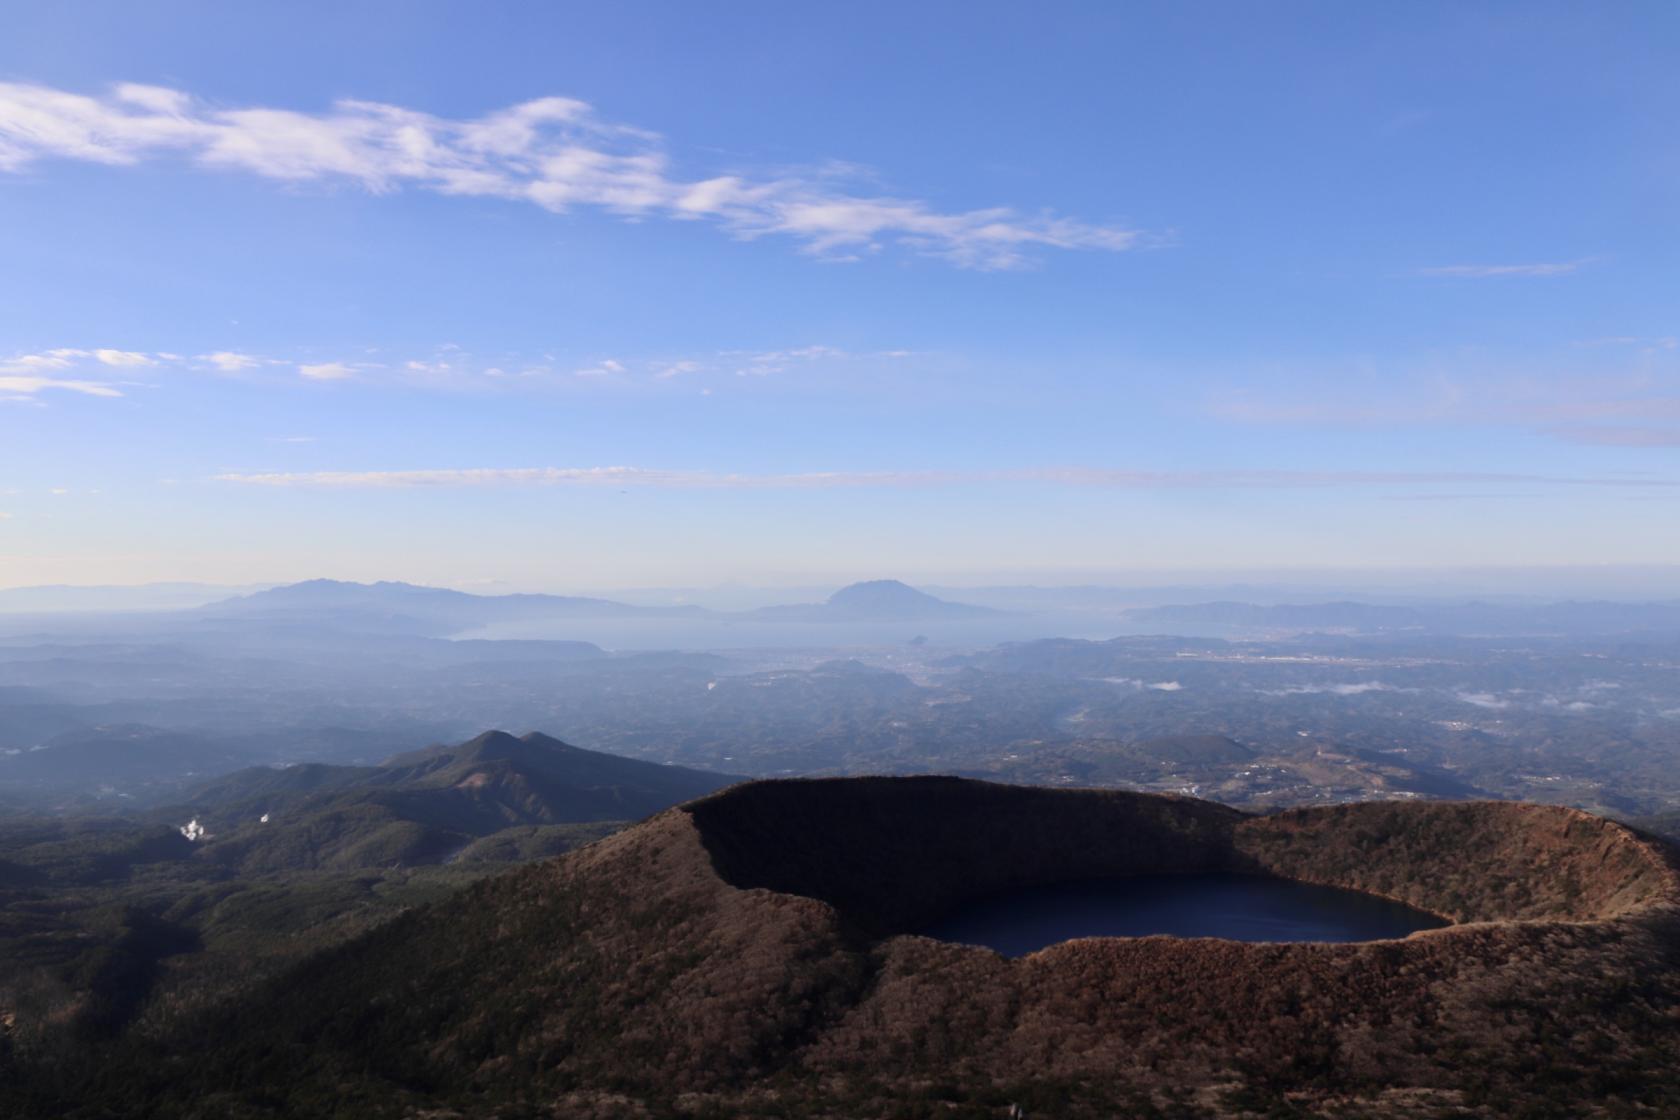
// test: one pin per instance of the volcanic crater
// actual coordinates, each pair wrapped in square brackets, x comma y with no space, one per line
[1558,957]
[891,854]
[751,954]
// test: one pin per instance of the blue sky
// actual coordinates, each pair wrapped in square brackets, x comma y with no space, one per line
[572,296]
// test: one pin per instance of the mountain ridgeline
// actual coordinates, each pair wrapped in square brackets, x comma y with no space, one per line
[1563,618]
[103,918]
[403,608]
[432,805]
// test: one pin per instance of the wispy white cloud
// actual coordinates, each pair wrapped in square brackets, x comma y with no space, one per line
[229,361]
[767,362]
[1645,345]
[677,369]
[1613,435]
[25,375]
[1493,271]
[1462,496]
[86,370]
[1064,476]
[1565,406]
[637,369]
[124,358]
[28,385]
[326,371]
[52,359]
[30,374]
[553,152]
[575,476]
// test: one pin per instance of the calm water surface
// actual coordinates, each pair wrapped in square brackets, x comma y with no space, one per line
[1236,907]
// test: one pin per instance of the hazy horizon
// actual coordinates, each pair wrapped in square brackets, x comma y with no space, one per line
[1616,581]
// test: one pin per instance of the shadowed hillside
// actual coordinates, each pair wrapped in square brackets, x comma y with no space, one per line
[428,805]
[105,919]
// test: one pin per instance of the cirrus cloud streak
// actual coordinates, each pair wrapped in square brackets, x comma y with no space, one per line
[1616,435]
[1496,271]
[1066,476]
[554,152]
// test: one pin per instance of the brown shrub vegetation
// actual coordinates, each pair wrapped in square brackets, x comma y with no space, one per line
[738,958]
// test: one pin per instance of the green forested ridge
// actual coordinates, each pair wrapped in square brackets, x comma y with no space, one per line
[106,919]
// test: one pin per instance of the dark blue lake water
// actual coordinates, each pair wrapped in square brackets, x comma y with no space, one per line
[1236,907]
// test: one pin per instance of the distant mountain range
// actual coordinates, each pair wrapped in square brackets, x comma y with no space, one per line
[405,608]
[57,598]
[1566,618]
[429,806]
[395,609]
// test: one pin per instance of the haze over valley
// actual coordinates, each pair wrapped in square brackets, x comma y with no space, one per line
[1573,702]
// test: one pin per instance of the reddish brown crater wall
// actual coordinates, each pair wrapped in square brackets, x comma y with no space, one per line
[1469,861]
